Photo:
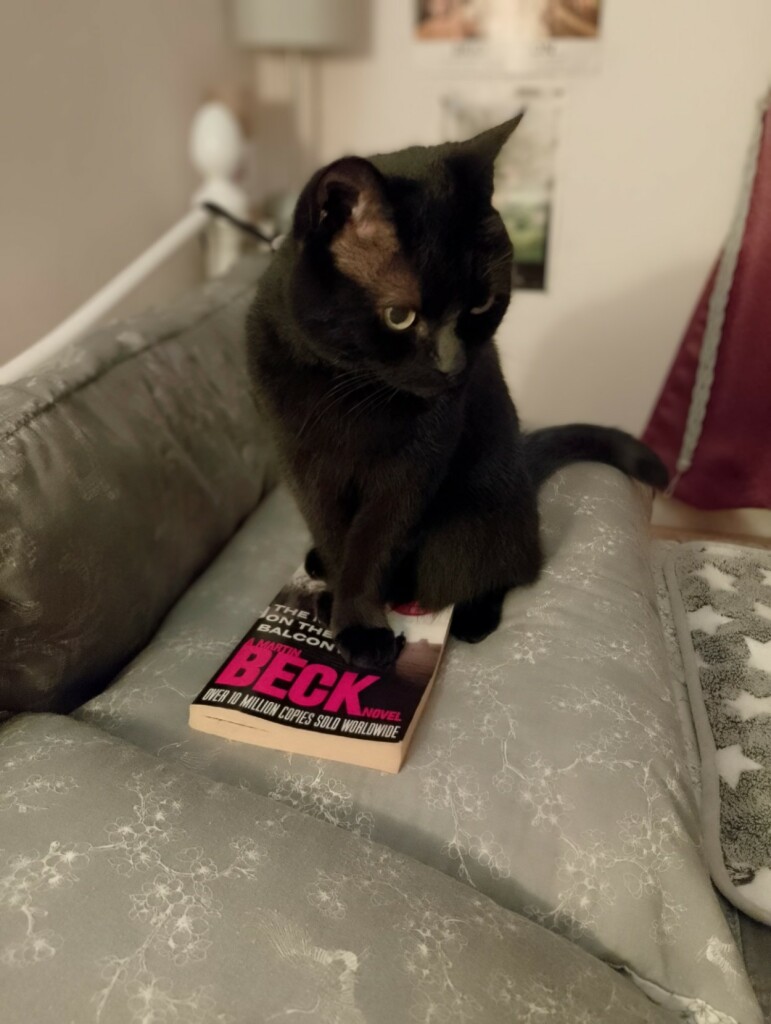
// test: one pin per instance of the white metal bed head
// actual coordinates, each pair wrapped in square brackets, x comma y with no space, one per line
[216,149]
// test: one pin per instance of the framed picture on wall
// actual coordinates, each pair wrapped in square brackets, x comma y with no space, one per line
[451,20]
[517,37]
[460,34]
[525,172]
[555,37]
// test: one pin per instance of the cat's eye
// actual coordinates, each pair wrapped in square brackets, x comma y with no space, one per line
[478,310]
[399,318]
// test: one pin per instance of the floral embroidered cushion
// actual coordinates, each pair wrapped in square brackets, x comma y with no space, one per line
[133,890]
[549,771]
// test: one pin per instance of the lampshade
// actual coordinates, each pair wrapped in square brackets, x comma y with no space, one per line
[300,24]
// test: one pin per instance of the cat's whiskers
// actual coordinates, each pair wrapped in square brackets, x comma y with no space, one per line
[351,381]
[372,402]
[391,393]
[328,398]
[497,264]
[324,406]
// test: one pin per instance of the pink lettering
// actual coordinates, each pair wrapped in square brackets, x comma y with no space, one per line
[276,672]
[300,691]
[245,665]
[385,713]
[347,692]
[264,668]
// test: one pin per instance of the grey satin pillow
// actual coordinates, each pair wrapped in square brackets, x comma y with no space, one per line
[126,463]
[549,770]
[137,891]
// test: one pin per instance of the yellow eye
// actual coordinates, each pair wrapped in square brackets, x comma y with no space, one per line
[399,318]
[478,310]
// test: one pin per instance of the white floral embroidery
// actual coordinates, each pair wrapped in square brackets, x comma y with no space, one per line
[550,771]
[333,973]
[327,799]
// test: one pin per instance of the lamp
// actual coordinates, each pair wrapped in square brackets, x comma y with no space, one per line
[307,25]
[293,35]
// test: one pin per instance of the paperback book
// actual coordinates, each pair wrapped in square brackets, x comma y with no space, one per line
[286,687]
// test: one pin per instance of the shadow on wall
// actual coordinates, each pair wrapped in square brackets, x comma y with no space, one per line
[603,363]
[277,160]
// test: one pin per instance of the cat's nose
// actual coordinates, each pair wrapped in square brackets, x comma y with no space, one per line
[450,356]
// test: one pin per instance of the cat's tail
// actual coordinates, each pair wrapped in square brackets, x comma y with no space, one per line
[548,450]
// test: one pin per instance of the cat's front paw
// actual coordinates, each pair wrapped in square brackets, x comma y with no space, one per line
[324,607]
[372,648]
[314,566]
[476,620]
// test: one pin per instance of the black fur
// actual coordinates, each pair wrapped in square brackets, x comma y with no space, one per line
[403,448]
[548,450]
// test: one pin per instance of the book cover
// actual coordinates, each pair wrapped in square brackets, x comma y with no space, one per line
[286,687]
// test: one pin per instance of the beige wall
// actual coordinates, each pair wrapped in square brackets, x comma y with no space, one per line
[95,107]
[648,170]
[96,99]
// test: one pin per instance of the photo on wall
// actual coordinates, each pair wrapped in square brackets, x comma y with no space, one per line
[461,35]
[555,37]
[525,172]
[516,37]
[450,20]
[572,19]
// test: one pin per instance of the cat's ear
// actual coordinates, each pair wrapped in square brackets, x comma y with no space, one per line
[345,209]
[474,160]
[487,145]
[347,193]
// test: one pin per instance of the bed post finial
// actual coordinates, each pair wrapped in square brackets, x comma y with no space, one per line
[216,149]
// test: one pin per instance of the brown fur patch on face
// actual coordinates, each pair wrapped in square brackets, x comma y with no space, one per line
[367,251]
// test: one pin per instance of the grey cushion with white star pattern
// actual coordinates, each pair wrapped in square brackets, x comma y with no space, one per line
[721,599]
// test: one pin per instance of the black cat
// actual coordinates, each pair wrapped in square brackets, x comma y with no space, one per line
[371,352]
